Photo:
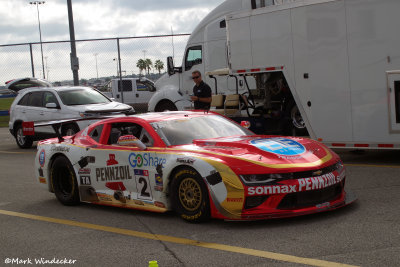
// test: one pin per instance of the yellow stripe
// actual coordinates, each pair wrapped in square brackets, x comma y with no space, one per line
[11,152]
[178,240]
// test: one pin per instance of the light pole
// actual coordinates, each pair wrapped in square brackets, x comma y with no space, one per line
[47,69]
[97,70]
[144,54]
[37,3]
[116,60]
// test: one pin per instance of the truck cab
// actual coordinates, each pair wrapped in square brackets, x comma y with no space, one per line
[136,92]
[206,50]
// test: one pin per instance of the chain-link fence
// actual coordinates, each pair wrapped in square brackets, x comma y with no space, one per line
[98,59]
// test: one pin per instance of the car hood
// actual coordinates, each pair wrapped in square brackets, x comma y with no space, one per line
[102,108]
[249,153]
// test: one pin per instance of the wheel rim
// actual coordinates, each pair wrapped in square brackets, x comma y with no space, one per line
[190,194]
[297,119]
[20,137]
[69,132]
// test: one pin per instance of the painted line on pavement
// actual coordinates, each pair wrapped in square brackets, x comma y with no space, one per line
[12,152]
[178,240]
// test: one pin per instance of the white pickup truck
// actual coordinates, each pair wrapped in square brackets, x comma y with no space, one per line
[136,92]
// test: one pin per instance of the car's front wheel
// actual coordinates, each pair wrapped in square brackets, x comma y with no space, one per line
[190,196]
[64,181]
[22,140]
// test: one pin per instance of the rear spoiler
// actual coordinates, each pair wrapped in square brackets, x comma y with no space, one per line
[29,127]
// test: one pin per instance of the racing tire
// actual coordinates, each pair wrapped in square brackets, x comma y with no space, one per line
[166,106]
[63,181]
[22,140]
[190,196]
[69,130]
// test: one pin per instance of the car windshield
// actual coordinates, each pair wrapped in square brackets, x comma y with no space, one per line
[184,131]
[82,97]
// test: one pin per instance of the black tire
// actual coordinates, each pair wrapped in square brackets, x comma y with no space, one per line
[22,140]
[189,196]
[64,182]
[69,130]
[166,106]
[297,124]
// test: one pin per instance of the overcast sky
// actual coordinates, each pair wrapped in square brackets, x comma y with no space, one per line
[93,19]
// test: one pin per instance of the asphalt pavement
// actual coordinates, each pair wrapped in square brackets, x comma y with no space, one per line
[36,227]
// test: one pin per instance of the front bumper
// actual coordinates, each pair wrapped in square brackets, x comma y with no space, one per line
[346,198]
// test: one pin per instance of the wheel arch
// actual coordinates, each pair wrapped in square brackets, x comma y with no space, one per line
[162,102]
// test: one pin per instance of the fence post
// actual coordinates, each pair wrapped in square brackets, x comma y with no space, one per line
[33,66]
[120,72]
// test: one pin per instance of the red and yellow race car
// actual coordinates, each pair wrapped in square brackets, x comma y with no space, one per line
[198,164]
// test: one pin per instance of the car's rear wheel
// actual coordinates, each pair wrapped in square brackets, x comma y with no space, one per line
[190,196]
[64,181]
[22,140]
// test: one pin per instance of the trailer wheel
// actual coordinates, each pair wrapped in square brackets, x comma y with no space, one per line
[297,123]
[166,106]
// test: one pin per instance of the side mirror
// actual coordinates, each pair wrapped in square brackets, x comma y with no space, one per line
[170,66]
[51,105]
[132,141]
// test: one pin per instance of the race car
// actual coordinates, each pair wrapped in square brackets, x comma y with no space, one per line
[199,164]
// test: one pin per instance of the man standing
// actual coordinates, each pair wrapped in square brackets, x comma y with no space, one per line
[201,92]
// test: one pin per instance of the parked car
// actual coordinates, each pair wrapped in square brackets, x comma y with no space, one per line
[198,164]
[56,103]
[22,83]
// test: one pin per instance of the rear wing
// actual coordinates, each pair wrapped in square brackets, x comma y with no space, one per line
[28,128]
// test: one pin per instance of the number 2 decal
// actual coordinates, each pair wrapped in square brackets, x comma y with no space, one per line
[143,184]
[143,192]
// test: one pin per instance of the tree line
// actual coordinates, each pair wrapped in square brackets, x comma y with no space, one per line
[146,64]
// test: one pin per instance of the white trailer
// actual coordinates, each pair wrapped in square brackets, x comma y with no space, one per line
[340,59]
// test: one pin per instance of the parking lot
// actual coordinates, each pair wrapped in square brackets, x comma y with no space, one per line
[36,227]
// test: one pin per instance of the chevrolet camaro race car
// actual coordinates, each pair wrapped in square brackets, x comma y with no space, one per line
[198,164]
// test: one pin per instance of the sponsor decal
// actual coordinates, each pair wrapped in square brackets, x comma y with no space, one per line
[104,197]
[303,184]
[28,128]
[42,180]
[59,149]
[159,179]
[234,199]
[85,180]
[159,204]
[143,184]
[159,188]
[185,160]
[138,202]
[40,170]
[84,171]
[113,173]
[42,158]
[111,160]
[279,146]
[116,186]
[145,160]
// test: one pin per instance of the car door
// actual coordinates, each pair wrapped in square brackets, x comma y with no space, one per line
[125,176]
[127,95]
[193,61]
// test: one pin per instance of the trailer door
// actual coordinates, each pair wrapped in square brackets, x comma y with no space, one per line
[394,101]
